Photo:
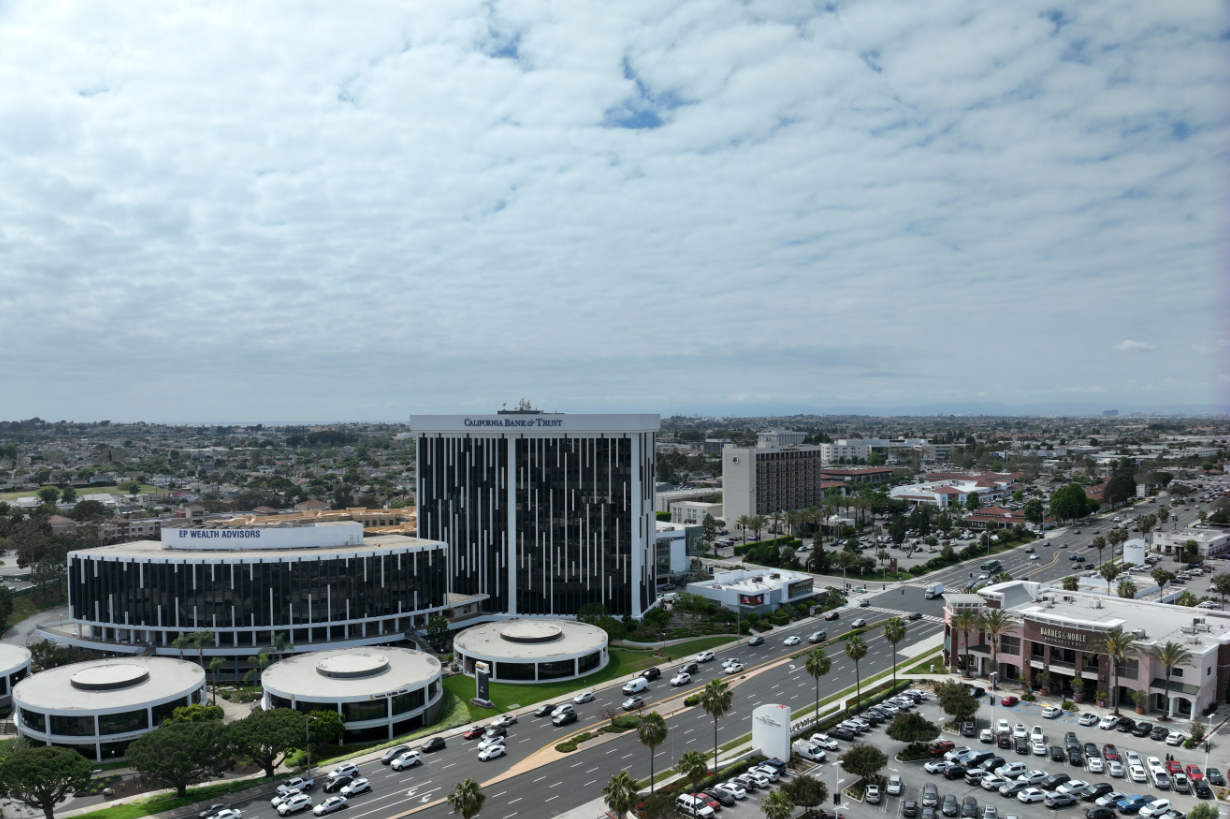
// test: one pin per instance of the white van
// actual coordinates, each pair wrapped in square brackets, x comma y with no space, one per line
[808,751]
[636,686]
[691,806]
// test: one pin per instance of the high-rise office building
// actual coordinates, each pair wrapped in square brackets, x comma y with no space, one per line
[542,512]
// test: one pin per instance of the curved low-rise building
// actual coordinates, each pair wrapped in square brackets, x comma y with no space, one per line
[526,651]
[99,707]
[14,667]
[318,585]
[379,693]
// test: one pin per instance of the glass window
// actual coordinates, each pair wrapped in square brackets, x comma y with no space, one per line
[514,671]
[556,670]
[33,720]
[433,688]
[408,701]
[72,726]
[123,723]
[279,702]
[370,709]
[167,709]
[589,662]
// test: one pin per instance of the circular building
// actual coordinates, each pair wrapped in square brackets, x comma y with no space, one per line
[379,693]
[99,707]
[526,651]
[14,667]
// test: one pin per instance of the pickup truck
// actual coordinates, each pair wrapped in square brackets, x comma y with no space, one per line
[299,783]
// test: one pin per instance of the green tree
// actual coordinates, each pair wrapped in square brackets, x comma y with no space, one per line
[1071,502]
[709,529]
[1169,656]
[1203,811]
[817,664]
[68,494]
[864,761]
[6,604]
[216,665]
[1117,646]
[437,627]
[1071,583]
[1220,583]
[1120,488]
[777,805]
[49,494]
[715,700]
[466,798]
[181,754]
[806,791]
[693,767]
[327,727]
[281,645]
[42,776]
[90,510]
[973,502]
[856,650]
[965,621]
[996,623]
[194,713]
[131,487]
[1099,543]
[266,737]
[1126,588]
[258,661]
[1109,572]
[954,700]
[620,794]
[894,630]
[651,730]
[1187,599]
[1161,577]
[913,728]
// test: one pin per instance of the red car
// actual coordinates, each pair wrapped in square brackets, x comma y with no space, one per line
[832,615]
[1174,767]
[1194,773]
[1110,752]
[1009,700]
[475,732]
[709,800]
[940,748]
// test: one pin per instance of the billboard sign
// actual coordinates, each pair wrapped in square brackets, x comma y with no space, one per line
[751,599]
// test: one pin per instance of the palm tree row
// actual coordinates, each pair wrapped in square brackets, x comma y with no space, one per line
[995,622]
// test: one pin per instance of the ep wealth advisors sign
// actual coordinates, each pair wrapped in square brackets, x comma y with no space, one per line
[243,538]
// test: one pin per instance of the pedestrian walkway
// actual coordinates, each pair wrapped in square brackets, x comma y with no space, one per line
[927,618]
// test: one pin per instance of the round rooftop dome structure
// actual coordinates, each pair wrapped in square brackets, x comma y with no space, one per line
[100,706]
[526,651]
[380,693]
[14,667]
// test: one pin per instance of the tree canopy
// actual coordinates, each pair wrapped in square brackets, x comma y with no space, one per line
[956,701]
[266,737]
[863,760]
[43,776]
[912,727]
[1071,502]
[182,753]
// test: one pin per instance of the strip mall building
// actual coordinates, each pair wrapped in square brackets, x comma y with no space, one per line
[1058,632]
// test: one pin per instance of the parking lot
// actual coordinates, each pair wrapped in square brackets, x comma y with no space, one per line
[1029,715]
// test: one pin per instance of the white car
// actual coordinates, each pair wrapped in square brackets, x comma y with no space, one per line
[682,678]
[329,805]
[356,787]
[1013,769]
[734,789]
[1051,712]
[825,741]
[1018,731]
[298,802]
[491,752]
[1072,785]
[283,797]
[1137,773]
[1031,795]
[584,696]
[1088,719]
[960,750]
[733,668]
[1093,764]
[564,708]
[1109,799]
[1157,808]
[1001,727]
[985,735]
[1037,734]
[1032,777]
[1114,768]
[1155,764]
[1176,738]
[792,640]
[407,760]
[504,721]
[768,772]
[872,794]
[488,742]
[704,657]
[1039,748]
[1108,722]
[935,765]
[894,786]
[993,782]
[1033,557]
[228,813]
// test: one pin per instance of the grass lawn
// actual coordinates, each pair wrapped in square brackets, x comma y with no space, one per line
[507,696]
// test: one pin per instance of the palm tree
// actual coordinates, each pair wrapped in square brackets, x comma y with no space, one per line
[1109,572]
[776,519]
[281,645]
[199,640]
[1221,584]
[777,806]
[758,523]
[693,767]
[467,798]
[651,730]
[715,699]
[744,523]
[995,622]
[894,632]
[259,663]
[620,794]
[182,642]
[1117,645]
[817,664]
[856,650]
[215,665]
[1099,543]
[965,620]
[1168,657]
[1126,588]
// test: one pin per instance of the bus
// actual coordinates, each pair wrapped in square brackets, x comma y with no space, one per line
[992,566]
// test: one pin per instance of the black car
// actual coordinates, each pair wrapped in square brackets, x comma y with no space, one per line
[954,772]
[1075,757]
[1015,787]
[909,809]
[993,764]
[1004,741]
[1125,724]
[927,813]
[1159,732]
[564,718]
[1142,729]
[1215,777]
[968,730]
[950,807]
[930,796]
[874,717]
[976,692]
[544,710]
[1092,751]
[433,744]
[1201,788]
[336,783]
[842,733]
[690,668]
[1099,813]
[969,808]
[652,674]
[1053,781]
[211,810]
[756,641]
[1097,791]
[1069,739]
[917,615]
[726,799]
[1057,754]
[1020,745]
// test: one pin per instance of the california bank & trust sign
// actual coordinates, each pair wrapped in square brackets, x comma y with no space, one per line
[514,422]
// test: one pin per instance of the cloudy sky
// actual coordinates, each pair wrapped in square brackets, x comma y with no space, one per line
[222,211]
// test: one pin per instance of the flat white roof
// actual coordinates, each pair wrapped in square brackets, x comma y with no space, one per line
[530,640]
[12,658]
[546,423]
[350,674]
[154,679]
[153,549]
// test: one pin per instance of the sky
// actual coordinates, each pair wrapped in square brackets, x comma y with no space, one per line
[313,212]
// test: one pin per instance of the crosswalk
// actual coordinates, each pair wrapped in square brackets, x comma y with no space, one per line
[927,618]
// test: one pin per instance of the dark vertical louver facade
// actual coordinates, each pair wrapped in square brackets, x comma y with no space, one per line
[542,523]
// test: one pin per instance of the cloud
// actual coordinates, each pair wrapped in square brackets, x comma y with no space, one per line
[211,211]
[1130,346]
